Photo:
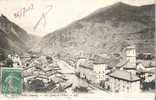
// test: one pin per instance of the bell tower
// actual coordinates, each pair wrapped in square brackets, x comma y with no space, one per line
[131,56]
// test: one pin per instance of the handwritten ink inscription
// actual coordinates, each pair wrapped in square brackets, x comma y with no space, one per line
[43,17]
[22,12]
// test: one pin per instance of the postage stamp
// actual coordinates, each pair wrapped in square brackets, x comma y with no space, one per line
[11,81]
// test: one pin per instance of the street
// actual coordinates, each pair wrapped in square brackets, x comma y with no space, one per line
[69,73]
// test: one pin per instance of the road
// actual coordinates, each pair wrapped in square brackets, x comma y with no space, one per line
[65,67]
[69,72]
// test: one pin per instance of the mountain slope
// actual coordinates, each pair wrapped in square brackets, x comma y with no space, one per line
[12,37]
[123,12]
[33,43]
[107,30]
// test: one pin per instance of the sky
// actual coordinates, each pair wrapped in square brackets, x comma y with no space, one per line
[59,12]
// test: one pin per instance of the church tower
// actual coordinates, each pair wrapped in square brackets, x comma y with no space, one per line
[131,57]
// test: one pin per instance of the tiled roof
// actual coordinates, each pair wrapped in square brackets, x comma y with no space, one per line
[42,76]
[46,69]
[130,67]
[130,47]
[88,64]
[26,68]
[57,79]
[101,61]
[86,67]
[124,75]
[112,62]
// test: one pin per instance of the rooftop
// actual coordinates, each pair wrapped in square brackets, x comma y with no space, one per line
[124,75]
[111,62]
[86,67]
[130,67]
[46,69]
[101,61]
[130,47]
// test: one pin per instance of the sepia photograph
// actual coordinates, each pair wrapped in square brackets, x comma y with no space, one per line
[77,49]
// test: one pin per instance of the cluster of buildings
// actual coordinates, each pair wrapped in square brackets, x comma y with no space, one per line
[115,74]
[125,73]
[39,72]
[44,69]
[17,63]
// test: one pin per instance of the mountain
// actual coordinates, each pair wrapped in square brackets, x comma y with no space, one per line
[33,43]
[106,31]
[12,37]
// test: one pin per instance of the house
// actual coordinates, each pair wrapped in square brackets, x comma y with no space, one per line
[93,70]
[86,71]
[47,69]
[57,79]
[28,71]
[145,56]
[16,60]
[99,68]
[150,76]
[42,77]
[27,79]
[146,74]
[123,81]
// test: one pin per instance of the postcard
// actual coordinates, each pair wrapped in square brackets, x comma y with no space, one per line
[77,49]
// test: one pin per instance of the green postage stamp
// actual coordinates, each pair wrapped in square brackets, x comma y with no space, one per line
[11,81]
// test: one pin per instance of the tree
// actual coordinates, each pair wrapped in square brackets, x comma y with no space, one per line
[80,89]
[37,85]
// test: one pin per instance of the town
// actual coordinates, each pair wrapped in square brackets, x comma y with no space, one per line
[128,72]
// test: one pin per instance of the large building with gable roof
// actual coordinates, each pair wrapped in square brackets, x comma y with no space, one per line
[123,81]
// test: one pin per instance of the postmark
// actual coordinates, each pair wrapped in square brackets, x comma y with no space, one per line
[11,81]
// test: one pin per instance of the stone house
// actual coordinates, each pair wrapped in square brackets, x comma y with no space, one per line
[123,81]
[92,70]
